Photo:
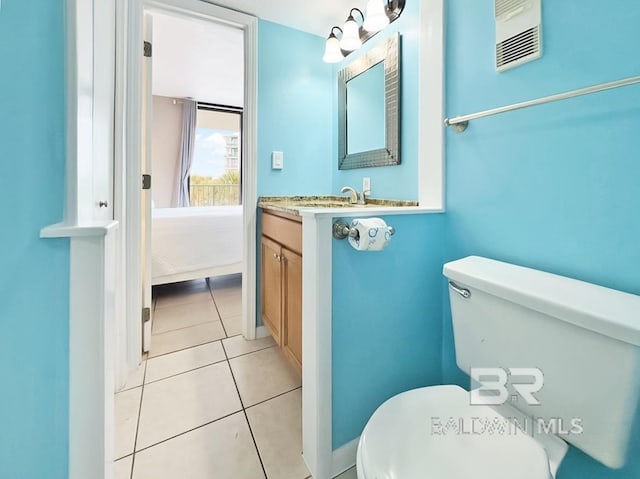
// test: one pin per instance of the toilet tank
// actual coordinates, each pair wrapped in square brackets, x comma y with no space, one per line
[584,338]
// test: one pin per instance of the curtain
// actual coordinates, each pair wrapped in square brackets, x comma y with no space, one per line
[189,111]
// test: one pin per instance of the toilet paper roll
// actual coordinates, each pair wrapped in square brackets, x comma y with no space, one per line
[369,234]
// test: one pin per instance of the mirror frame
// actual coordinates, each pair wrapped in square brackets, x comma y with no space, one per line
[389,53]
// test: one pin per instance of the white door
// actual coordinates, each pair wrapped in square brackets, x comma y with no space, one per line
[147,304]
[103,108]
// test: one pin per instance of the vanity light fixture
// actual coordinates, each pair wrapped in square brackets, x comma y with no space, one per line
[380,13]
[332,52]
[350,32]
[376,18]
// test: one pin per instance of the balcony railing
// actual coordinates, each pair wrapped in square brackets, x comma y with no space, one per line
[214,195]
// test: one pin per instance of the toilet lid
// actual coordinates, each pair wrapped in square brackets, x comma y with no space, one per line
[435,433]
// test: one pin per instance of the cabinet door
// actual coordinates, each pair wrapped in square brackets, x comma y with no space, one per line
[271,290]
[104,48]
[292,306]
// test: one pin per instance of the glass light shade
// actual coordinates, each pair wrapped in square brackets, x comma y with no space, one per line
[376,18]
[350,36]
[332,53]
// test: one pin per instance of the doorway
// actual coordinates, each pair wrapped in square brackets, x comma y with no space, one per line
[194,226]
[130,147]
[129,92]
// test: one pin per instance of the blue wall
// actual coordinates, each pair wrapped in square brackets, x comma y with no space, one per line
[386,321]
[555,187]
[398,182]
[294,116]
[297,98]
[391,344]
[387,306]
[33,272]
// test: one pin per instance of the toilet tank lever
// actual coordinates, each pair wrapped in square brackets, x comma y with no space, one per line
[465,293]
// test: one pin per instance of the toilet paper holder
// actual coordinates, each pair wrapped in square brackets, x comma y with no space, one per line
[342,230]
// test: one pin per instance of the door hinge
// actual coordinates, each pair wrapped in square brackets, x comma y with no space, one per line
[147,49]
[146,315]
[146,182]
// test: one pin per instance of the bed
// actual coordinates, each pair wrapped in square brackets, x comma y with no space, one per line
[198,242]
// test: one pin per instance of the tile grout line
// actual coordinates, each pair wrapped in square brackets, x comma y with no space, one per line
[255,444]
[226,336]
[250,352]
[274,397]
[187,327]
[215,305]
[208,342]
[187,371]
[227,360]
[246,418]
[188,347]
[144,383]
[184,432]
[135,441]
[208,423]
[182,305]
[215,420]
[243,410]
[140,386]
[186,292]
[204,365]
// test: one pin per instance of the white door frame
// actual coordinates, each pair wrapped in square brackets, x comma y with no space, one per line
[129,93]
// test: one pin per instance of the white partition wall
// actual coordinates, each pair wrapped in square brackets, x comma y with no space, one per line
[89,224]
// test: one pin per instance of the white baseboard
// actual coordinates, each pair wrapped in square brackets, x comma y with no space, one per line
[262,332]
[344,457]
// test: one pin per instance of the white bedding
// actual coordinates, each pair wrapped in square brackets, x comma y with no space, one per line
[191,243]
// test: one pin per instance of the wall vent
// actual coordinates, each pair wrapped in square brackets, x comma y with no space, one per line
[518,32]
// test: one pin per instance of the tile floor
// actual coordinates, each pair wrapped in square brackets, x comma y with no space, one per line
[207,403]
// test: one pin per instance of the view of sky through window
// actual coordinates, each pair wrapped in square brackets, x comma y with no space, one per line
[210,155]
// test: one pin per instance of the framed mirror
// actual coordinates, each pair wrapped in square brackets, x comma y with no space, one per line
[369,108]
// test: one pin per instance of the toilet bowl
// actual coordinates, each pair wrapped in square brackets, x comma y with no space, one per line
[434,432]
[512,322]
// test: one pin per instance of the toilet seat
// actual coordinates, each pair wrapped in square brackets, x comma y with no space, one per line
[434,432]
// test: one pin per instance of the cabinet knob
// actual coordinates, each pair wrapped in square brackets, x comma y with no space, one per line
[277,257]
[103,204]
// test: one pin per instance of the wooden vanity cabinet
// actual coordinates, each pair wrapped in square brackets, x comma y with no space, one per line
[272,287]
[292,307]
[281,279]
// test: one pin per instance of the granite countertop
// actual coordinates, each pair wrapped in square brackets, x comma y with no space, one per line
[297,204]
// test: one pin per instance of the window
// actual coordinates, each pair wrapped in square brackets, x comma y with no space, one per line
[216,170]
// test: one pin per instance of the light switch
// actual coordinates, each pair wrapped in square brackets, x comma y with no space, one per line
[277,160]
[366,185]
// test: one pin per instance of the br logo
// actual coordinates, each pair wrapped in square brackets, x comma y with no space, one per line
[493,383]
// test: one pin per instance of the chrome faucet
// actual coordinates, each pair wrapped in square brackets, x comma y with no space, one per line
[355,197]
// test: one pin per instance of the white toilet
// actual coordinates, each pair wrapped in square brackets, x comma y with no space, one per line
[585,340]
